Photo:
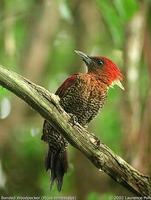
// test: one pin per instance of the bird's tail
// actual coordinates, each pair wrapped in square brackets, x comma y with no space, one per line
[57,163]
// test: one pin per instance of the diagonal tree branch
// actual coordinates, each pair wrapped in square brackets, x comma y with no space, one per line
[47,105]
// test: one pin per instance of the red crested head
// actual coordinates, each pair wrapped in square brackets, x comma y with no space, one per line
[108,68]
[103,68]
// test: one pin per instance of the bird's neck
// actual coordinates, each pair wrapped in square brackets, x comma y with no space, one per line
[101,77]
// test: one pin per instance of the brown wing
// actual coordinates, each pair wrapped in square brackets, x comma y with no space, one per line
[66,84]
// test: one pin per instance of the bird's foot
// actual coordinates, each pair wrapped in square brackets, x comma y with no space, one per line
[95,141]
[73,119]
[85,126]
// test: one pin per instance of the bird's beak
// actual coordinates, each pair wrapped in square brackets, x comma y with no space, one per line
[118,82]
[84,57]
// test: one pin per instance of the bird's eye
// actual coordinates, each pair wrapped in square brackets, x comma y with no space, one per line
[100,62]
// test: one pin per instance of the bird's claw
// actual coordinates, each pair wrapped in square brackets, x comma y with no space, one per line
[73,119]
[95,141]
[85,126]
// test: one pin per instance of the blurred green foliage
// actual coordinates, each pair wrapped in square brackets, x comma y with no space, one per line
[115,14]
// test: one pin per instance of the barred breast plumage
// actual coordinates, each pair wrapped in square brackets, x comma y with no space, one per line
[83,99]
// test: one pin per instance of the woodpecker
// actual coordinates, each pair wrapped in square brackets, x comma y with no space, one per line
[82,95]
